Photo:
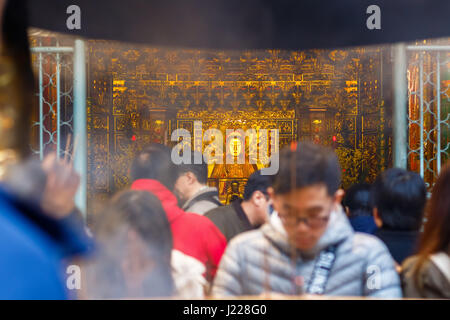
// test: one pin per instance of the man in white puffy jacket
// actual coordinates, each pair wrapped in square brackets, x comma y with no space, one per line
[309,246]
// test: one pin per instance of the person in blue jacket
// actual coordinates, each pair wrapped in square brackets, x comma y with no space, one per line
[35,243]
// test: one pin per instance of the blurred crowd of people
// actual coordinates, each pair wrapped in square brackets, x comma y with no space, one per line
[168,234]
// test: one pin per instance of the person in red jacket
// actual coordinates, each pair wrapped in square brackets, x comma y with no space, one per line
[194,235]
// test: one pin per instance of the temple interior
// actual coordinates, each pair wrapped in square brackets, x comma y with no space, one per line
[137,95]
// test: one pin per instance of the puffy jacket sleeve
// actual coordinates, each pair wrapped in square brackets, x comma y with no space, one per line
[228,279]
[381,277]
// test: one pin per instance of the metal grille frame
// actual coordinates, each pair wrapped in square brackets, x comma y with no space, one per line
[74,60]
[52,124]
[428,116]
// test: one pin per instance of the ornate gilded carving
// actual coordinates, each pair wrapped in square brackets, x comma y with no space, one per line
[308,95]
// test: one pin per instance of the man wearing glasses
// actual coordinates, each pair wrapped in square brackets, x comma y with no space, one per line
[309,246]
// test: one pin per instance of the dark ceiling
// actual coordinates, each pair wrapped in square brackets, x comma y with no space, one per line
[247,24]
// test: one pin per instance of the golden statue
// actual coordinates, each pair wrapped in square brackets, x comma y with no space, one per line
[235,193]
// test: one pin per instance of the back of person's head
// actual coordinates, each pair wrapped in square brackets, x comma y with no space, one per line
[133,226]
[357,200]
[305,164]
[154,162]
[256,182]
[199,170]
[399,197]
[141,211]
[436,235]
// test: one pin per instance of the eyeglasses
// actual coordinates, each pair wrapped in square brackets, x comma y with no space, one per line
[311,222]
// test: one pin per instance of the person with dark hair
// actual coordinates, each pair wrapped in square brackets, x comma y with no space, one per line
[194,235]
[399,198]
[427,273]
[136,242]
[40,227]
[154,163]
[191,187]
[244,214]
[309,245]
[33,244]
[358,207]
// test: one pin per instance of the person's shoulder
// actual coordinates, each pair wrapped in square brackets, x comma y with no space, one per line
[248,245]
[366,240]
[219,213]
[201,207]
[24,245]
[434,280]
[196,218]
[252,238]
[409,263]
[429,266]
[18,232]
[368,244]
[219,210]
[200,223]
